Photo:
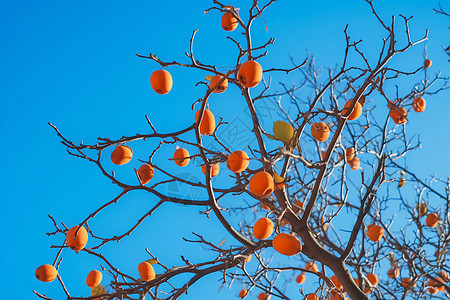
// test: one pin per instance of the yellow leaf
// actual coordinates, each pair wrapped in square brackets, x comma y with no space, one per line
[278,178]
[221,243]
[98,290]
[152,261]
[401,182]
[209,77]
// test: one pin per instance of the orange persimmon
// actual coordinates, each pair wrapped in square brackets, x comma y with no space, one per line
[427,63]
[46,273]
[432,220]
[146,271]
[350,154]
[261,184]
[375,232]
[145,173]
[356,112]
[121,155]
[263,296]
[237,161]
[312,266]
[77,242]
[161,81]
[208,123]
[373,279]
[181,157]
[398,115]
[287,244]
[263,228]
[215,86]
[354,163]
[215,168]
[250,73]
[248,258]
[301,278]
[393,273]
[320,131]
[312,296]
[94,278]
[419,104]
[405,282]
[229,22]
[336,282]
[243,293]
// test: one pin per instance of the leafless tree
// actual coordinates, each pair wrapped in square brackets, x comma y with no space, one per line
[318,192]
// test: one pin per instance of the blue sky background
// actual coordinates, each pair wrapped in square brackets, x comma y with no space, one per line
[74,64]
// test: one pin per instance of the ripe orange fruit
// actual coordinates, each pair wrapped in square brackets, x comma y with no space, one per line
[263,228]
[77,242]
[398,115]
[46,273]
[215,168]
[375,232]
[444,275]
[350,154]
[181,157]
[405,282]
[248,258]
[94,278]
[287,244]
[297,205]
[161,81]
[121,155]
[373,279]
[261,184]
[146,271]
[250,73]
[419,104]
[356,112]
[312,296]
[432,220]
[145,173]
[229,22]
[427,63]
[237,161]
[215,86]
[393,273]
[312,266]
[320,131]
[354,163]
[263,296]
[336,282]
[208,123]
[243,293]
[301,278]
[437,283]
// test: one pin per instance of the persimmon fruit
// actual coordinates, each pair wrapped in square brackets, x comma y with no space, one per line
[208,123]
[263,296]
[427,63]
[350,154]
[419,104]
[301,278]
[375,232]
[46,273]
[243,293]
[146,271]
[320,131]
[398,115]
[263,228]
[181,157]
[77,242]
[216,86]
[250,73]
[287,244]
[432,220]
[336,282]
[354,163]
[237,161]
[229,22]
[283,131]
[145,173]
[312,296]
[393,273]
[215,168]
[356,112]
[94,278]
[121,155]
[161,81]
[312,266]
[261,184]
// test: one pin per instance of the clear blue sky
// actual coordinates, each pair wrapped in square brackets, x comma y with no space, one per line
[74,64]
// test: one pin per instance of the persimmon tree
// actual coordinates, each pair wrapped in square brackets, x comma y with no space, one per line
[327,189]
